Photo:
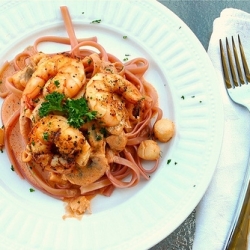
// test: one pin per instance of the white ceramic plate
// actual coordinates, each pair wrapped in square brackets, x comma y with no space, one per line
[180,70]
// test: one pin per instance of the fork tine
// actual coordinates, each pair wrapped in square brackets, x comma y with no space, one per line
[244,61]
[224,66]
[241,77]
[231,64]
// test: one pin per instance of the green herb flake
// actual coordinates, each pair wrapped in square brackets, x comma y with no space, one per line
[183,97]
[125,59]
[57,83]
[32,190]
[78,112]
[46,136]
[12,168]
[104,131]
[169,160]
[53,102]
[98,137]
[96,21]
[125,37]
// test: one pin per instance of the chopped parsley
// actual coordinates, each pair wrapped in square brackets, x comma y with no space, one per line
[12,168]
[76,110]
[125,37]
[104,131]
[98,137]
[46,136]
[183,97]
[96,21]
[32,190]
[169,160]
[57,83]
[53,102]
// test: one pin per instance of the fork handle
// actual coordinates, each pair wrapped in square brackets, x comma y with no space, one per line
[237,237]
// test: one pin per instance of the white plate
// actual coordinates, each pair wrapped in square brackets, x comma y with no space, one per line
[182,73]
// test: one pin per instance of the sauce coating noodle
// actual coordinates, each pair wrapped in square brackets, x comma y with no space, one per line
[76,162]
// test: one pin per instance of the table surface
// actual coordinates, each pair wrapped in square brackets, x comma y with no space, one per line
[199,16]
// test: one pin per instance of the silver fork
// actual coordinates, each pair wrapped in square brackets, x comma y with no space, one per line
[237,82]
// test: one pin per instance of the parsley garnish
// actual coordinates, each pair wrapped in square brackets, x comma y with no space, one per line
[57,83]
[32,190]
[96,21]
[98,137]
[53,103]
[169,160]
[76,110]
[125,37]
[46,136]
[104,131]
[12,168]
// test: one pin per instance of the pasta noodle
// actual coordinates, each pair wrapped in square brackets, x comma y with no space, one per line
[62,158]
